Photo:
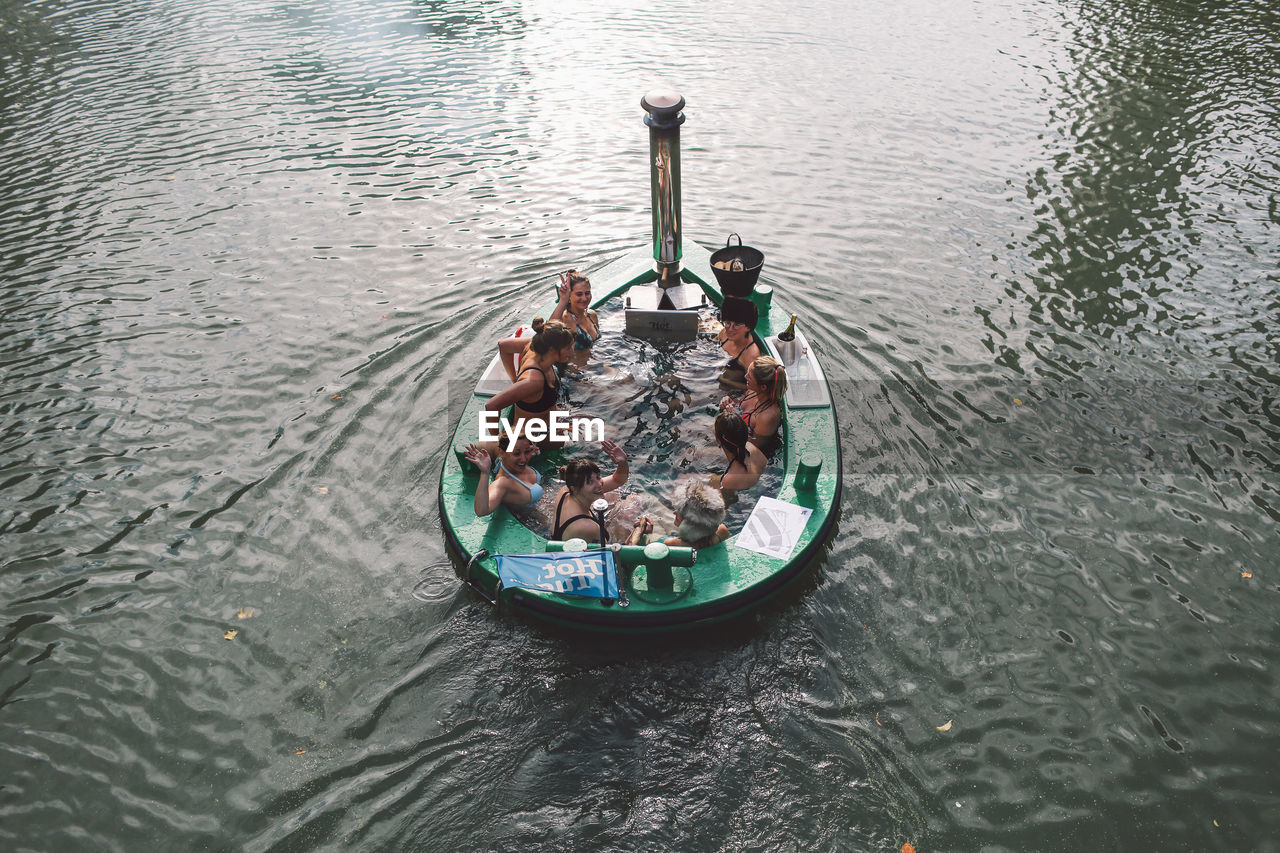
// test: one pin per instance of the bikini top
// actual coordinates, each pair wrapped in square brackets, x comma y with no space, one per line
[734,363]
[558,532]
[535,489]
[550,393]
[582,339]
[746,416]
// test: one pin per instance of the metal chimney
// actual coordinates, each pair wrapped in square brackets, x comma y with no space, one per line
[664,119]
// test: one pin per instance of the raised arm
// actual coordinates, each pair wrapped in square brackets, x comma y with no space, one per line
[563,303]
[507,347]
[623,470]
[488,495]
[523,389]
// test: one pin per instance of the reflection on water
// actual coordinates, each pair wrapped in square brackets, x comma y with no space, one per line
[253,253]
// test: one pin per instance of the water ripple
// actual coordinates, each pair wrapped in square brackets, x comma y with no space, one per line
[253,253]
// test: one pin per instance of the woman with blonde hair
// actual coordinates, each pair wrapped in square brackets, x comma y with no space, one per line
[761,407]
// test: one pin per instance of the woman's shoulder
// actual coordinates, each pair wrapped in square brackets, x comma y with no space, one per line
[770,414]
[531,369]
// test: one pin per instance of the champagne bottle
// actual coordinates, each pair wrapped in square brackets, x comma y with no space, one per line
[790,333]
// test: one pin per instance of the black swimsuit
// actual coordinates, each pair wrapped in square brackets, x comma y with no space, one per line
[560,528]
[734,365]
[550,393]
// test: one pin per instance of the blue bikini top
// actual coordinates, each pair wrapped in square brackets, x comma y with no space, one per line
[535,490]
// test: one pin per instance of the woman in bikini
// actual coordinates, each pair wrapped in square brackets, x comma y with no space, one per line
[583,486]
[536,387]
[761,407]
[574,309]
[746,462]
[515,483]
[737,338]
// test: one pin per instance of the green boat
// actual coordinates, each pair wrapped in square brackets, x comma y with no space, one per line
[663,288]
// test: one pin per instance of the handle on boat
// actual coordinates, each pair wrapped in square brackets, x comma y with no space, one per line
[471,582]
[633,555]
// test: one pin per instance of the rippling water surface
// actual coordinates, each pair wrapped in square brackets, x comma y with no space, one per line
[252,250]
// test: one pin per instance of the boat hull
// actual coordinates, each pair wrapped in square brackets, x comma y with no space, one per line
[727,581]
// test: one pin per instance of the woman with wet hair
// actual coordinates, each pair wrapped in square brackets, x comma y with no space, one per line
[535,385]
[739,317]
[515,482]
[583,486]
[746,462]
[574,309]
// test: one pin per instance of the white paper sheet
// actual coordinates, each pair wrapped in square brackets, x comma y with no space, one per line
[774,528]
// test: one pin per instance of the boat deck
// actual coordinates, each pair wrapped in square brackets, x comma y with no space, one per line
[726,580]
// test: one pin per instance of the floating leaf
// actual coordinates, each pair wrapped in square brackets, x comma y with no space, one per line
[244,613]
[299,752]
[230,635]
[336,397]
[1246,574]
[946,727]
[1017,401]
[908,847]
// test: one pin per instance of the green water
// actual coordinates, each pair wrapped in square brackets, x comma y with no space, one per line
[250,250]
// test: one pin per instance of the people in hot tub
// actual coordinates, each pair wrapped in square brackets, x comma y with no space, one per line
[699,521]
[514,483]
[583,486]
[737,338]
[761,407]
[536,386]
[574,309]
[745,461]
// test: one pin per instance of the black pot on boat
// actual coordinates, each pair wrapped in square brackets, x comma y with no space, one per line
[737,282]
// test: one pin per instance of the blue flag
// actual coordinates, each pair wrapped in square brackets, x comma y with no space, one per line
[589,573]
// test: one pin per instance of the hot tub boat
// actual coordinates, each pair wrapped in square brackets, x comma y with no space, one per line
[660,589]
